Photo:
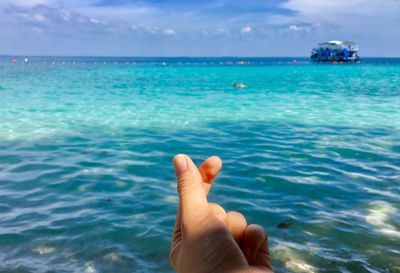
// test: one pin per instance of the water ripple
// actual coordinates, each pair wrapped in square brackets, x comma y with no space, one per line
[89,188]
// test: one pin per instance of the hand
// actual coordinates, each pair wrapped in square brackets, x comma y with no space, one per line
[206,239]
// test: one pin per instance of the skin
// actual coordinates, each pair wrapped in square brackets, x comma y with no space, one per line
[206,238]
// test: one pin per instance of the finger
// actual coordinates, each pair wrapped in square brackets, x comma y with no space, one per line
[255,246]
[218,211]
[236,224]
[192,197]
[209,170]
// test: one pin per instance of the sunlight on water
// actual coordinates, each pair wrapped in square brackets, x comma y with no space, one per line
[299,267]
[112,257]
[292,259]
[89,268]
[43,250]
[380,213]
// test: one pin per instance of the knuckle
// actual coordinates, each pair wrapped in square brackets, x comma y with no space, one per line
[236,214]
[216,208]
[237,217]
[184,187]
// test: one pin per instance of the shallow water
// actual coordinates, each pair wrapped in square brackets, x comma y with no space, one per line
[86,182]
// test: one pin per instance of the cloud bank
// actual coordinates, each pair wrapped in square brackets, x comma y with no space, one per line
[195,28]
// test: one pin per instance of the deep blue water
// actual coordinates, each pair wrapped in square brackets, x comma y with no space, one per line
[86,180]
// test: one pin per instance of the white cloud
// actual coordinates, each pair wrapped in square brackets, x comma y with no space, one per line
[295,28]
[151,29]
[223,30]
[154,30]
[27,16]
[24,3]
[169,31]
[374,24]
[38,18]
[247,29]
[65,15]
[125,14]
[344,11]
[98,22]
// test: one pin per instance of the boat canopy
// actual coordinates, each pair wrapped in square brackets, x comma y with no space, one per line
[335,42]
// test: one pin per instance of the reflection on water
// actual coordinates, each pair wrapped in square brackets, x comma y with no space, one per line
[380,213]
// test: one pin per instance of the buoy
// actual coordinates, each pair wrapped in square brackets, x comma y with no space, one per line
[239,86]
[14,61]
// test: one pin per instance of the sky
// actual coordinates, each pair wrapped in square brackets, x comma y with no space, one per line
[196,27]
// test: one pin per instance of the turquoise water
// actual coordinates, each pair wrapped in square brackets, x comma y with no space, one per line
[86,182]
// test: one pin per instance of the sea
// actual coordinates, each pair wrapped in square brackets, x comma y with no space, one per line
[311,152]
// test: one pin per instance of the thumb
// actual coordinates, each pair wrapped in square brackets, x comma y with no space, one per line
[255,246]
[192,197]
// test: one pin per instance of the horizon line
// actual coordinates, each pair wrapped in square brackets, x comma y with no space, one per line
[132,56]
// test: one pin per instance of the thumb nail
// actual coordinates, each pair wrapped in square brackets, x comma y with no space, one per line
[180,164]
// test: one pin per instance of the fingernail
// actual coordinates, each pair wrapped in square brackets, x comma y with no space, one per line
[180,164]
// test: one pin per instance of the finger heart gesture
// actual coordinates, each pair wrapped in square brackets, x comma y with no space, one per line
[206,238]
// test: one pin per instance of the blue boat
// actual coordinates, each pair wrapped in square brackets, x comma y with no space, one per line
[336,52]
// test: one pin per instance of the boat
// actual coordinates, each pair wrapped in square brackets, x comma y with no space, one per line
[336,52]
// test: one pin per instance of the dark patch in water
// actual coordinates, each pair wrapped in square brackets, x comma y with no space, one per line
[283,226]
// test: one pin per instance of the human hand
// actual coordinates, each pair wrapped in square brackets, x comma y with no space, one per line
[206,239]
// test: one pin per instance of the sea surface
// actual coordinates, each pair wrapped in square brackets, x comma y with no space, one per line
[311,152]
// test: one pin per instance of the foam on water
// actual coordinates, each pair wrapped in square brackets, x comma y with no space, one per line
[86,182]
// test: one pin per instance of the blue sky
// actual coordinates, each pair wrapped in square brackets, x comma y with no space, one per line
[196,28]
